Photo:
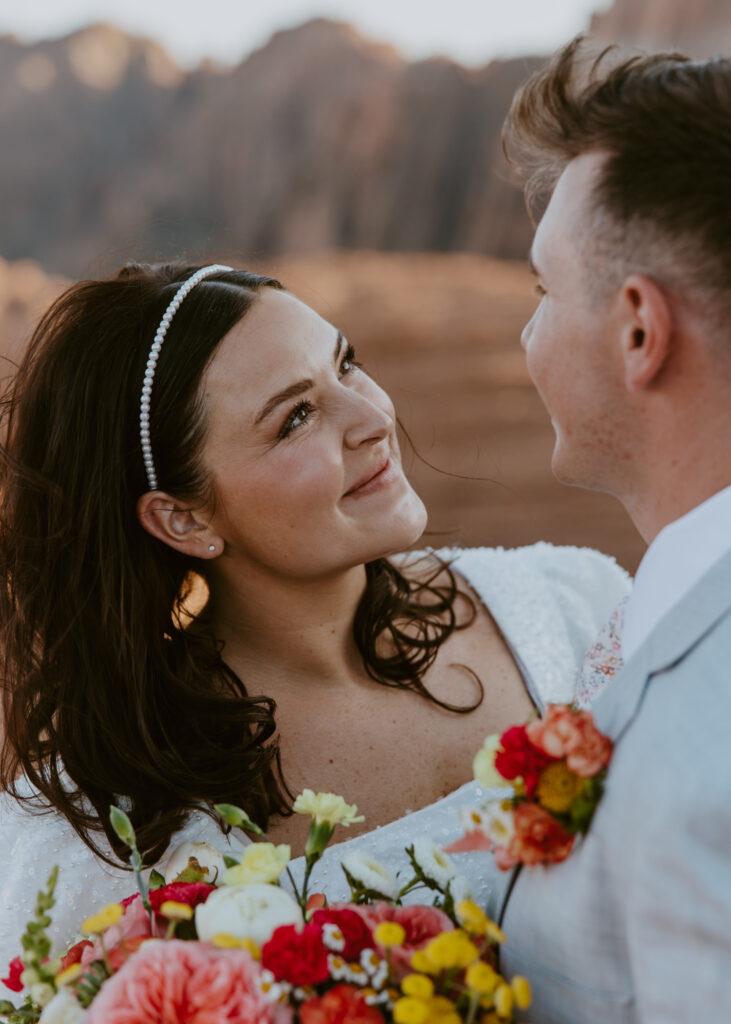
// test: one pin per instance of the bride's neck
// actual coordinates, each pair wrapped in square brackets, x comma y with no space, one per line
[280,628]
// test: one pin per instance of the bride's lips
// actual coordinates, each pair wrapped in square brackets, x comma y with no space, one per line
[382,477]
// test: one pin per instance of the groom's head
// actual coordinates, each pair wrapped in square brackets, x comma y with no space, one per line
[627,168]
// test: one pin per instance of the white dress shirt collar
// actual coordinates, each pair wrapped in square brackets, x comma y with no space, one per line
[675,561]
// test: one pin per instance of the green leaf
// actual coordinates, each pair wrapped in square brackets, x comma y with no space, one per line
[233,815]
[230,862]
[157,881]
[122,825]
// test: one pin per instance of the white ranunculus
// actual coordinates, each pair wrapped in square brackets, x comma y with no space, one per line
[246,912]
[63,1009]
[371,874]
[460,889]
[208,858]
[434,862]
[498,823]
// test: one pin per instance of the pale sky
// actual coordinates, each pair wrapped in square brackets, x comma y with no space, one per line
[470,31]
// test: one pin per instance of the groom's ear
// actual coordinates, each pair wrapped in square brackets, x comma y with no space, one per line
[646,330]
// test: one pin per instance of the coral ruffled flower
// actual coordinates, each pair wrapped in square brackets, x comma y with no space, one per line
[357,933]
[15,969]
[420,923]
[296,956]
[538,839]
[186,983]
[344,1004]
[564,732]
[520,757]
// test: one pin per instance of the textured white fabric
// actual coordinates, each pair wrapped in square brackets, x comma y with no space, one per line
[549,602]
[675,561]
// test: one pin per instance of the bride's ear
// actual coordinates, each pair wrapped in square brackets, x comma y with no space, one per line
[185,529]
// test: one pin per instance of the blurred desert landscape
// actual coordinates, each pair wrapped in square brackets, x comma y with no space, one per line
[372,186]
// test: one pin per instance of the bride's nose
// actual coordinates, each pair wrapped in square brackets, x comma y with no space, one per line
[366,421]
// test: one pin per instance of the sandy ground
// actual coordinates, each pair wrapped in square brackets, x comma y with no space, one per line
[441,334]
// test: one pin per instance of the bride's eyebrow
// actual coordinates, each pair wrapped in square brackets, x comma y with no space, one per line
[293,390]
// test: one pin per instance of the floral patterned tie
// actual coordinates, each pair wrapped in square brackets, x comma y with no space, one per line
[603,661]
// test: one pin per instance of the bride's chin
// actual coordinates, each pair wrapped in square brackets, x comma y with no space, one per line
[405,525]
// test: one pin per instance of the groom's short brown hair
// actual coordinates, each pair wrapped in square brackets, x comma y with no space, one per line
[664,122]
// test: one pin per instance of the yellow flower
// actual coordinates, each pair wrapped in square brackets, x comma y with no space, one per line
[451,950]
[483,765]
[504,1000]
[443,1010]
[388,934]
[472,918]
[421,962]
[225,941]
[521,991]
[104,919]
[558,787]
[481,978]
[262,863]
[326,807]
[68,975]
[409,1010]
[174,911]
[494,933]
[417,985]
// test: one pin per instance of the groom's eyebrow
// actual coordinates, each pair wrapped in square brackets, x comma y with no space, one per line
[293,390]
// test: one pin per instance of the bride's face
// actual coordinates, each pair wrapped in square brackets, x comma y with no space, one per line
[301,447]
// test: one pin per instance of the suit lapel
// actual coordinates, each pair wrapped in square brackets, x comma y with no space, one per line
[683,627]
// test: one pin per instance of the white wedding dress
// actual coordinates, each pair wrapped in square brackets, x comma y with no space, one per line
[550,603]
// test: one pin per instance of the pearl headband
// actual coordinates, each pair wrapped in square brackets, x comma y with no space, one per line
[149,377]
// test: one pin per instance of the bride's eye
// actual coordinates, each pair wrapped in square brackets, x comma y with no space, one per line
[296,418]
[349,362]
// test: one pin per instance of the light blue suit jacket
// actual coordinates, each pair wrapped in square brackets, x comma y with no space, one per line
[636,925]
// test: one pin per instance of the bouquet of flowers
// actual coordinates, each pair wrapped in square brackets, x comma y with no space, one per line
[554,769]
[221,939]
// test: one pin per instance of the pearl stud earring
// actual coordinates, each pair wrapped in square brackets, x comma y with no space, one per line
[211,547]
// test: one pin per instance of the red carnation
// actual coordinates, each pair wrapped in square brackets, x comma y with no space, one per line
[298,957]
[191,893]
[518,757]
[356,932]
[15,969]
[344,1004]
[73,956]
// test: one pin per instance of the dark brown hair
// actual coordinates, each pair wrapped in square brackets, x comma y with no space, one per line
[108,695]
[664,122]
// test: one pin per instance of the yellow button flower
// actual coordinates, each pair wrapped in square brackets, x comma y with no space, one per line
[452,950]
[326,807]
[388,934]
[522,991]
[558,787]
[417,985]
[106,917]
[175,911]
[261,863]
[68,975]
[225,941]
[421,962]
[472,918]
[504,1000]
[481,978]
[409,1010]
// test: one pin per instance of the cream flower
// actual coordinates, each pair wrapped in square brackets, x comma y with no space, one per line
[262,862]
[434,862]
[326,807]
[63,1009]
[246,912]
[208,858]
[371,874]
[483,765]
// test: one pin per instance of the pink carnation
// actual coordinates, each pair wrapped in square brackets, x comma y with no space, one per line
[564,732]
[179,982]
[538,839]
[420,923]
